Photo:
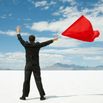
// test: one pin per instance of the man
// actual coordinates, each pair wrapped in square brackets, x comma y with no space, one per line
[32,63]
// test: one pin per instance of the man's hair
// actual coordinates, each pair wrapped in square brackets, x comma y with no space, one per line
[31,38]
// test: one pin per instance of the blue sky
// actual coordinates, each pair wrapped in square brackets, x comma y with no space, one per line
[45,18]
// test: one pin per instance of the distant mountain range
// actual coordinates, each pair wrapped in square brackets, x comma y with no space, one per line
[60,66]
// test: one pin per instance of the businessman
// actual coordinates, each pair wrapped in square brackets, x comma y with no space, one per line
[32,49]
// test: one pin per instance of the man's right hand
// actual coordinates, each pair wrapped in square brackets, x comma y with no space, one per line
[18,29]
[55,38]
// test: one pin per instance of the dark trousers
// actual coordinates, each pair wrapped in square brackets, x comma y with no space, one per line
[26,85]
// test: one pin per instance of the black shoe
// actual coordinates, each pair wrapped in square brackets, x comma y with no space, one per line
[22,98]
[42,98]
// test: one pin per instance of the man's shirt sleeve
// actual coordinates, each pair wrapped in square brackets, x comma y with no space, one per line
[21,40]
[46,43]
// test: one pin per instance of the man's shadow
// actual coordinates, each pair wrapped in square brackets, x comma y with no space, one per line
[63,96]
[52,97]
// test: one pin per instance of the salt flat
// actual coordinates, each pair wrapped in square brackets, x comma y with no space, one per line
[60,87]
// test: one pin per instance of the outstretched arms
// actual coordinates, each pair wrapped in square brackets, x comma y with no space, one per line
[18,30]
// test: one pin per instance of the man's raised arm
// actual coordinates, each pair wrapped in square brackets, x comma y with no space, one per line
[18,29]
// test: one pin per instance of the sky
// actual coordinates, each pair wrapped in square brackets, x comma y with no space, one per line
[45,19]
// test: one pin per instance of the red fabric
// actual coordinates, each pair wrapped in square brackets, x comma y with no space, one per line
[81,29]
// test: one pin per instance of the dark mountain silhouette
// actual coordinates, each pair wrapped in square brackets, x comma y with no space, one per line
[60,66]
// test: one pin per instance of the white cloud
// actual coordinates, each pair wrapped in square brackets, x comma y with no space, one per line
[100,58]
[71,2]
[85,51]
[93,59]
[56,26]
[12,60]
[40,26]
[68,12]
[11,57]
[76,51]
[94,11]
[66,43]
[48,59]
[40,3]
[44,4]
[78,56]
[12,33]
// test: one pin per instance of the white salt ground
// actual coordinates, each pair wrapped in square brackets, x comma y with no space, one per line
[60,87]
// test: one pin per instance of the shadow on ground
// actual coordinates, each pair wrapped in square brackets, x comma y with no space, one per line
[63,96]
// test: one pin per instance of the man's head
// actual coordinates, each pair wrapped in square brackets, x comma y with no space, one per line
[31,38]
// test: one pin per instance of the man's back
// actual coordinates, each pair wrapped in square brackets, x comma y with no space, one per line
[32,50]
[32,53]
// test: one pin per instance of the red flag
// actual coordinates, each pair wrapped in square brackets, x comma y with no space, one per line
[81,29]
